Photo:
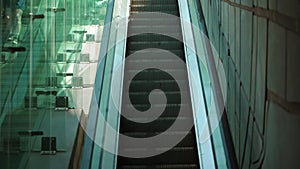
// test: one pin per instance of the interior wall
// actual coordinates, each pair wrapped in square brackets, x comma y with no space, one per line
[259,44]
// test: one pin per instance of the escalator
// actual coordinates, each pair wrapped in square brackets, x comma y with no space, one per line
[184,155]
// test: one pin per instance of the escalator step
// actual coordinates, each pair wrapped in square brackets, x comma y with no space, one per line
[163,166]
[149,2]
[139,20]
[159,125]
[166,63]
[162,29]
[173,97]
[153,75]
[153,38]
[187,141]
[155,53]
[154,8]
[177,155]
[168,112]
[165,85]
[176,13]
[173,166]
[169,45]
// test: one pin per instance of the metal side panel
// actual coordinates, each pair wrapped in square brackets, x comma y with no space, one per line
[214,115]
[103,147]
[217,92]
[201,120]
[210,83]
[109,158]
[91,129]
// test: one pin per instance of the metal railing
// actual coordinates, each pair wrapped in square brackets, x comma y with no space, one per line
[103,113]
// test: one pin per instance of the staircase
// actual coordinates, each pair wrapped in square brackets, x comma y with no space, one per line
[184,154]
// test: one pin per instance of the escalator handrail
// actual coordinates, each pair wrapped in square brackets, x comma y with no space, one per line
[224,126]
[206,150]
[87,152]
[112,52]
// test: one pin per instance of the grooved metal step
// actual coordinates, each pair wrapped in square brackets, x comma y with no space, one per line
[177,155]
[158,75]
[154,21]
[152,2]
[157,54]
[176,13]
[165,166]
[159,45]
[142,97]
[163,29]
[166,85]
[168,112]
[154,8]
[159,125]
[167,64]
[153,37]
[186,142]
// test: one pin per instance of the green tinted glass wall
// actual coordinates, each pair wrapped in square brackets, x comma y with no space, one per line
[38,69]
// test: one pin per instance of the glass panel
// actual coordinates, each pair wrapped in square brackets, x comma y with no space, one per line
[217,139]
[48,59]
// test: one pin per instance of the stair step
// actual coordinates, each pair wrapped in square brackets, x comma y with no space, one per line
[173,97]
[14,129]
[154,74]
[162,29]
[9,133]
[186,141]
[149,37]
[169,45]
[145,20]
[168,112]
[156,53]
[159,125]
[166,63]
[154,7]
[165,85]
[163,166]
[145,2]
[177,155]
[175,13]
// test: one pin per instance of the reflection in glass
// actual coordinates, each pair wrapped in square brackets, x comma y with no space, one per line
[41,61]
